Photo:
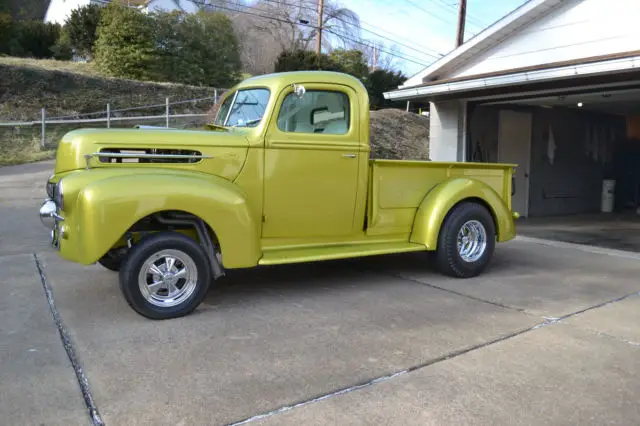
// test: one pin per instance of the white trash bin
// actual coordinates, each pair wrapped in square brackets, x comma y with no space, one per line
[608,195]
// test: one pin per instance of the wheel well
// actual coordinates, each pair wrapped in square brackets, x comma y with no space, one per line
[479,201]
[158,222]
[177,220]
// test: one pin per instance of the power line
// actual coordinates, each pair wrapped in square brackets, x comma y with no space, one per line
[401,38]
[311,26]
[344,36]
[450,8]
[433,15]
[380,49]
[399,43]
[428,13]
[437,54]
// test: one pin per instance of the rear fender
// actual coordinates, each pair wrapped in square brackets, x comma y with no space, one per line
[440,200]
[107,208]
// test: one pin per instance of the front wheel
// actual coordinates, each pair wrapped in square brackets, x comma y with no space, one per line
[466,242]
[166,275]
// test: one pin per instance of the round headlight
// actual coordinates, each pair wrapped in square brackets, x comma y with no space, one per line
[47,213]
[58,195]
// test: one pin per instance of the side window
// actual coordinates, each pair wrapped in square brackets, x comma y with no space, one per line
[316,111]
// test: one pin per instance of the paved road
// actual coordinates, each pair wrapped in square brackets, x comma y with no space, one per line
[549,335]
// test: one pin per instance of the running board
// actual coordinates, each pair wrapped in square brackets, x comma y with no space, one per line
[316,253]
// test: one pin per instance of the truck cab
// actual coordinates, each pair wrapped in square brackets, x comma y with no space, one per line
[283,174]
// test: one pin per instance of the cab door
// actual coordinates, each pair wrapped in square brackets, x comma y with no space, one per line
[311,164]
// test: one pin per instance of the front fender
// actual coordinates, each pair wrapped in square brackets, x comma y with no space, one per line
[440,200]
[105,209]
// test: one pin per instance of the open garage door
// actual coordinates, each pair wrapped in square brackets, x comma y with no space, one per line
[577,152]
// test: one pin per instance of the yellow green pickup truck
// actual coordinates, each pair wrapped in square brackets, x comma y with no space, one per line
[282,175]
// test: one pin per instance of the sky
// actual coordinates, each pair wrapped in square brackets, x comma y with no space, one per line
[426,27]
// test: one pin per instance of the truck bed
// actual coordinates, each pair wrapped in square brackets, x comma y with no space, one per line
[397,187]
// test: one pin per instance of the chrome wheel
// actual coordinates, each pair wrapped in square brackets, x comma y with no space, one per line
[472,241]
[168,278]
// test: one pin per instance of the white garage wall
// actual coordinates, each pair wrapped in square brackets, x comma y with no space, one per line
[577,29]
[446,131]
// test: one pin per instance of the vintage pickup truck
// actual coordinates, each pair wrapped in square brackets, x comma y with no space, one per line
[282,175]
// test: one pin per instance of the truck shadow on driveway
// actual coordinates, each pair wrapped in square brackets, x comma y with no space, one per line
[288,281]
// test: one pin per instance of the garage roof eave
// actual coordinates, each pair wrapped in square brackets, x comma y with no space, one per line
[519,78]
[528,12]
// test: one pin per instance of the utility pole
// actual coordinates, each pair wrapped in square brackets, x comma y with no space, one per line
[319,38]
[462,16]
[375,56]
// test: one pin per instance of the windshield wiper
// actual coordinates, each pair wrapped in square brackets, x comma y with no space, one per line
[213,126]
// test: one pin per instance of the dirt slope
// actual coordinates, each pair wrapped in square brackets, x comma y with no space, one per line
[399,135]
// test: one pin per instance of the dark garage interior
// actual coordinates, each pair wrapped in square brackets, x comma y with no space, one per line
[581,146]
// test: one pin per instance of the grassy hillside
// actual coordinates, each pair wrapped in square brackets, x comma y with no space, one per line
[71,89]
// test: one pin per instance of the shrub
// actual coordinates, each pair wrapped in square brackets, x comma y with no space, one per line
[125,44]
[197,49]
[347,61]
[6,32]
[63,50]
[215,48]
[82,29]
[351,62]
[301,60]
[381,81]
[27,38]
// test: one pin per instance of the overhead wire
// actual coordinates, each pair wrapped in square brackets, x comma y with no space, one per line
[437,16]
[452,9]
[408,58]
[435,53]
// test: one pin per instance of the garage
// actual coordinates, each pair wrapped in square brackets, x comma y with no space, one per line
[554,88]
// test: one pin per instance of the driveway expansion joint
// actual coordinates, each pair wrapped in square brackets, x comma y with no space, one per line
[547,321]
[599,333]
[597,306]
[380,379]
[83,381]
[457,293]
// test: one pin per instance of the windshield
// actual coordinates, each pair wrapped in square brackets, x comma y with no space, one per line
[244,108]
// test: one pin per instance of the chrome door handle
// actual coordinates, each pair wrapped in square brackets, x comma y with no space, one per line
[348,156]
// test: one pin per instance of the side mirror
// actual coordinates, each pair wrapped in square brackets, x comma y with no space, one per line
[299,90]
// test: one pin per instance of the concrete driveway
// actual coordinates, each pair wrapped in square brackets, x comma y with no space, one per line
[549,335]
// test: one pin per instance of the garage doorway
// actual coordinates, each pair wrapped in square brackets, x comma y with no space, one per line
[573,147]
[514,146]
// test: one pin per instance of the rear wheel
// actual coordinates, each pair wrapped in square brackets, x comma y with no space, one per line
[166,275]
[466,242]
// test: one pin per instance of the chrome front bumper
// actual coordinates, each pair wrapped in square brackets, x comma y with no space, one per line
[51,219]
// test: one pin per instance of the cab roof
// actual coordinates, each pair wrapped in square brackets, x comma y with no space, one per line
[277,81]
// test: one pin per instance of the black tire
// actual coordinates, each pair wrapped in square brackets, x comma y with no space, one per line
[185,250]
[448,259]
[111,261]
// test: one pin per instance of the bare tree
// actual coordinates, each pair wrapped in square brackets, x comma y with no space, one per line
[377,55]
[291,23]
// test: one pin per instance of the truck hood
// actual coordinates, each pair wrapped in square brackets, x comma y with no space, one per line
[215,152]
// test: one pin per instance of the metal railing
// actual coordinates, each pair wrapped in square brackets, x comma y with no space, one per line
[109,117]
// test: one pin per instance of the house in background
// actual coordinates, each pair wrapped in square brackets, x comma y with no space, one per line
[553,87]
[59,10]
